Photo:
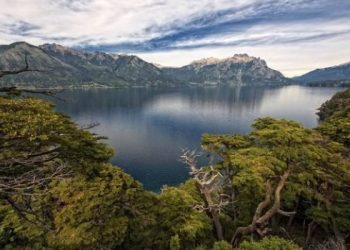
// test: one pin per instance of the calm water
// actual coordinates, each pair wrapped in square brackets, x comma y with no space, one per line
[149,127]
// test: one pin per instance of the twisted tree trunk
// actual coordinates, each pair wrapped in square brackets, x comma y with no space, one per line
[260,220]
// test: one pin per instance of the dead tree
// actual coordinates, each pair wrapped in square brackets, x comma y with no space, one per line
[14,90]
[207,183]
[266,209]
[34,169]
[22,70]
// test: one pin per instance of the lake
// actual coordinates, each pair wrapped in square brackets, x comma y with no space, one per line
[149,127]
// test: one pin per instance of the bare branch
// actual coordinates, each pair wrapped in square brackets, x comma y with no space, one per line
[90,125]
[284,213]
[17,90]
[206,181]
[24,69]
[25,183]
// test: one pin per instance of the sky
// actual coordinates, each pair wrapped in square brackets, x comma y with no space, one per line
[293,36]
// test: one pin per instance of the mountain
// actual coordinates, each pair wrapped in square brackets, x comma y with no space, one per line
[107,68]
[239,69]
[66,67]
[335,74]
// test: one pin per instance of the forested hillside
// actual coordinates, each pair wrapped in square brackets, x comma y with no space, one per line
[335,73]
[282,186]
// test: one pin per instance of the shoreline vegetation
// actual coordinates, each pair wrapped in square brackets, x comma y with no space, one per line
[282,186]
[329,83]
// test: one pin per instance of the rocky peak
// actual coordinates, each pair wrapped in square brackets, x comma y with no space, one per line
[56,48]
[62,51]
[20,45]
[237,58]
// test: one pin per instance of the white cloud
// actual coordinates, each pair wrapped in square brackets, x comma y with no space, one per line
[291,59]
[104,22]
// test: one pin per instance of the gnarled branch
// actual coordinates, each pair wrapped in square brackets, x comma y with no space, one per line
[24,69]
[260,221]
[206,182]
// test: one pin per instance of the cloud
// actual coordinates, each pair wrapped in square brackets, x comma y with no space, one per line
[21,28]
[160,27]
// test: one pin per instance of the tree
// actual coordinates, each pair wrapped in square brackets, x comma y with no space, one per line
[27,160]
[208,183]
[178,219]
[26,68]
[336,104]
[38,144]
[271,243]
[335,117]
[337,126]
[15,91]
[222,245]
[99,213]
[107,211]
[293,171]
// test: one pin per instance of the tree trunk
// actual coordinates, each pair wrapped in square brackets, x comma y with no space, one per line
[260,221]
[213,212]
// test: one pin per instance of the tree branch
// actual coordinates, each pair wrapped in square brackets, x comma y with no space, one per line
[260,222]
[24,69]
[206,181]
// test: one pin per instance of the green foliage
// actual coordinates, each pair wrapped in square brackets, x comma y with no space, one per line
[178,218]
[30,127]
[104,212]
[269,243]
[222,245]
[319,172]
[95,213]
[336,104]
[100,207]
[16,234]
[175,243]
[337,127]
[335,115]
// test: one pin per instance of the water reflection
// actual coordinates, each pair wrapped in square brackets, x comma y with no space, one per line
[148,127]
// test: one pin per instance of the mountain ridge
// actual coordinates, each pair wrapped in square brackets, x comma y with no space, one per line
[69,67]
[335,73]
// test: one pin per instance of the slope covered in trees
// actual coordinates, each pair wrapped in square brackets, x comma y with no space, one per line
[335,117]
[282,186]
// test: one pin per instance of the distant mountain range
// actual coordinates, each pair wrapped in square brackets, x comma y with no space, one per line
[327,76]
[65,67]
[68,68]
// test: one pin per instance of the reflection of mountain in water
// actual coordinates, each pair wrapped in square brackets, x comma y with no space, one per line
[148,127]
[206,109]
[106,100]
